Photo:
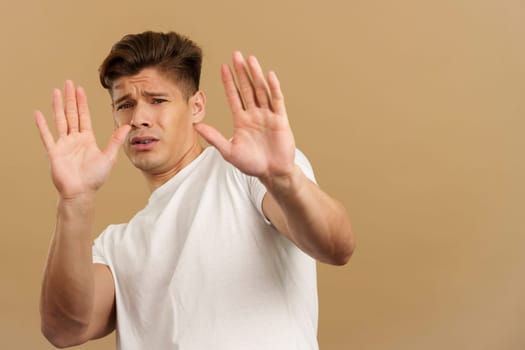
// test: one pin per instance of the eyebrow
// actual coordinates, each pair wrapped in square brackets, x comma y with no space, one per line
[145,93]
[120,99]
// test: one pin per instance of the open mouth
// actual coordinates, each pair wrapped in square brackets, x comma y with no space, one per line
[142,140]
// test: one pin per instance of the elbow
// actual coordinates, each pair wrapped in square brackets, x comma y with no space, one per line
[60,338]
[342,258]
[343,250]
[57,343]
[343,240]
[54,338]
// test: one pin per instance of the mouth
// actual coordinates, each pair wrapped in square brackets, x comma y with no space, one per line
[143,142]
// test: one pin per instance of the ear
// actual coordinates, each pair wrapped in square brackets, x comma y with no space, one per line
[197,104]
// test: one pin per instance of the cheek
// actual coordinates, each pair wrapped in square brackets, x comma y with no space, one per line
[121,118]
[127,150]
[175,121]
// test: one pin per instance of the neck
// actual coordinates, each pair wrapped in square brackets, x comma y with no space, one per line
[155,180]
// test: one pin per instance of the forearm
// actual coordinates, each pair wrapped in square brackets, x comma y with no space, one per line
[68,285]
[314,221]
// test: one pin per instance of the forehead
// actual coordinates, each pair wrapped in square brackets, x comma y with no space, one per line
[147,80]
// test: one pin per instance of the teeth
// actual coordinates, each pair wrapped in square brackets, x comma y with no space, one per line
[143,142]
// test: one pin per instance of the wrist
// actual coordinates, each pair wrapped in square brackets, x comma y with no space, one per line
[75,217]
[284,184]
[78,201]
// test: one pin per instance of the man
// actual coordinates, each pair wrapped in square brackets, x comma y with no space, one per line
[223,255]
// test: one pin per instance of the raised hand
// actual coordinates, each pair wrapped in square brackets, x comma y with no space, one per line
[78,166]
[263,144]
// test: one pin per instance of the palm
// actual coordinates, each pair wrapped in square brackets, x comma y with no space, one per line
[78,166]
[262,143]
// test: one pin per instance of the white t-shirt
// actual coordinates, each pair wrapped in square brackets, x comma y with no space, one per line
[201,268]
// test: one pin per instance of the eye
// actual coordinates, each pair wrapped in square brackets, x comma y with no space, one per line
[156,101]
[125,105]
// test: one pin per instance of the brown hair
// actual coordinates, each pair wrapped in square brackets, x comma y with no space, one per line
[171,53]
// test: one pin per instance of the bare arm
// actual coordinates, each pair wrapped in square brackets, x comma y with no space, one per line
[310,218]
[77,298]
[263,146]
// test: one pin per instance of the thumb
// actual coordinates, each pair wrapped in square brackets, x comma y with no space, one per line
[215,138]
[117,139]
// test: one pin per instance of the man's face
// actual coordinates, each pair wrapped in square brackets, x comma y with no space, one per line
[162,119]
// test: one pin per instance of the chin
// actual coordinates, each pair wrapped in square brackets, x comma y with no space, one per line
[146,165]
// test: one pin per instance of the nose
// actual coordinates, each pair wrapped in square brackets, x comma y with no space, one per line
[141,117]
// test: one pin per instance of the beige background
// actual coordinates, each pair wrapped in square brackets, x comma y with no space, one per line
[412,113]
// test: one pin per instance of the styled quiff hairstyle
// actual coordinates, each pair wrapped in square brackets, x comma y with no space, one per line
[170,53]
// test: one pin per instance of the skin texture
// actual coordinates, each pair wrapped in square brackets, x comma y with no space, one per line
[158,128]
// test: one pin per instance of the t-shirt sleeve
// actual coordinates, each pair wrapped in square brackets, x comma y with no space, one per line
[257,190]
[99,256]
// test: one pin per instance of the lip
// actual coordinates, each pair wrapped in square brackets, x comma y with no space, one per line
[143,143]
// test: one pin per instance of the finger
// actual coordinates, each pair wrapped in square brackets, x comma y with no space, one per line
[232,93]
[259,83]
[214,138]
[83,110]
[277,97]
[245,84]
[71,106]
[117,139]
[43,130]
[58,110]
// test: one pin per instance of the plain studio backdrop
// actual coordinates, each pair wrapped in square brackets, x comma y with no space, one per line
[411,112]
